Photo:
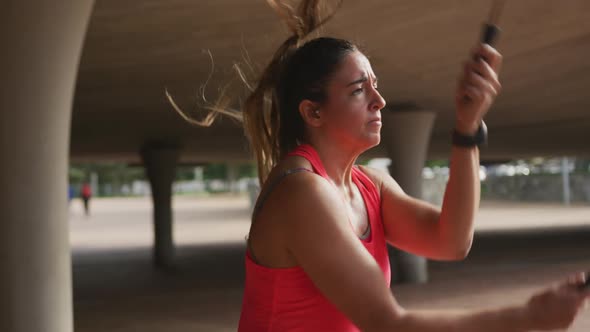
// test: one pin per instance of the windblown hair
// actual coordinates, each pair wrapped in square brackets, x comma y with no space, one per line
[299,70]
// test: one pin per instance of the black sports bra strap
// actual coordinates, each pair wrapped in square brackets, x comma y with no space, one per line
[273,184]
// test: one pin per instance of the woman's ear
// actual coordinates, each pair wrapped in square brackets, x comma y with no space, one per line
[310,112]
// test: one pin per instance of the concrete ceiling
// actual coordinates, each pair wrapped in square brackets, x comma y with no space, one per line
[135,49]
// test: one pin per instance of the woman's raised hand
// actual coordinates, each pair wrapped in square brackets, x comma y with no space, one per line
[477,88]
[556,307]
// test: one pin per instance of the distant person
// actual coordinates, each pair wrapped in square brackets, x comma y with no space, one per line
[86,194]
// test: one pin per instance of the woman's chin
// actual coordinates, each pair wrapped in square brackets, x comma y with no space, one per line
[372,140]
[375,138]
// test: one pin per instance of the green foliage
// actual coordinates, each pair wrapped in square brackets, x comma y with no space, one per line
[115,175]
[215,171]
[76,174]
[247,171]
[185,173]
[582,166]
[221,171]
[437,163]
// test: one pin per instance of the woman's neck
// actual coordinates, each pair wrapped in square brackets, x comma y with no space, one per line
[338,162]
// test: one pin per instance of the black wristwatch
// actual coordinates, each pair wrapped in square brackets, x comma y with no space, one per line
[480,138]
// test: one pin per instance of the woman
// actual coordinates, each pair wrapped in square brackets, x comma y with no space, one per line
[317,257]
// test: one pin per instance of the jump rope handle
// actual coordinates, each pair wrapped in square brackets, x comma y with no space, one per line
[586,285]
[490,33]
[490,29]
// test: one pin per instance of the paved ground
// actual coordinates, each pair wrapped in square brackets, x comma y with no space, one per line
[518,248]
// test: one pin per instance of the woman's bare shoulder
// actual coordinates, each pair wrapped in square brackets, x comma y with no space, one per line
[281,191]
[381,179]
[374,174]
[293,184]
[277,175]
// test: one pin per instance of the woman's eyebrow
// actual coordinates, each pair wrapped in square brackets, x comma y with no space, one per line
[362,80]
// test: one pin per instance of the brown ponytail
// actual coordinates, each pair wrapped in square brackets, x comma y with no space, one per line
[298,70]
[262,116]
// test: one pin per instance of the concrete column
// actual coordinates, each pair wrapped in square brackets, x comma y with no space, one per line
[406,135]
[160,165]
[41,45]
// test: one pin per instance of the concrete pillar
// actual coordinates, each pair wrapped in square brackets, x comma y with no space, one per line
[406,135]
[41,45]
[160,165]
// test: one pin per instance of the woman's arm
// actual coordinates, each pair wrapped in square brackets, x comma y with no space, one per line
[550,309]
[508,319]
[447,233]
[317,233]
[422,228]
[460,203]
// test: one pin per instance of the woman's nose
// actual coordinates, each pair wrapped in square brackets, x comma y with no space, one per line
[379,102]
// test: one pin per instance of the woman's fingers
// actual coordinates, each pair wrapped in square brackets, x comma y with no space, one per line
[580,284]
[470,91]
[490,55]
[572,286]
[476,86]
[484,70]
[575,280]
[478,83]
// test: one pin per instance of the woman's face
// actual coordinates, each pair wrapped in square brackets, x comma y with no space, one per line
[352,111]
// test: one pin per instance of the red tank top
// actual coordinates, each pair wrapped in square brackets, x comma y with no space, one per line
[285,299]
